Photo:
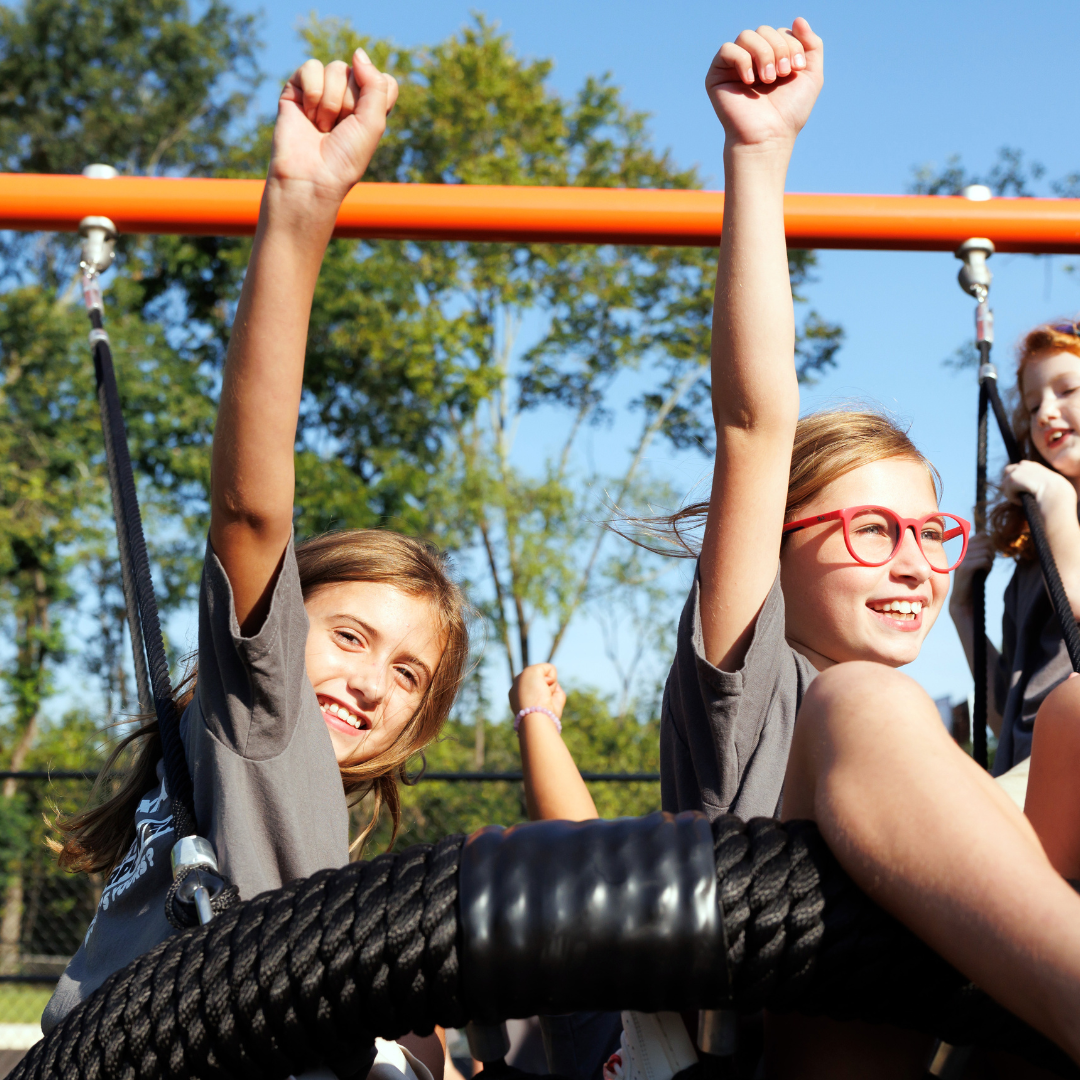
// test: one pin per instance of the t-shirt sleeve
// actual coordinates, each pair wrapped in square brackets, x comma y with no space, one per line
[249,688]
[725,735]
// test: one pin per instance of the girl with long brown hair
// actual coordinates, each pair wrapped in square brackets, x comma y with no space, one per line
[1033,659]
[322,666]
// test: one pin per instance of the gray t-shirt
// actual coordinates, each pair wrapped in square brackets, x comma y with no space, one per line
[268,792]
[1033,661]
[725,735]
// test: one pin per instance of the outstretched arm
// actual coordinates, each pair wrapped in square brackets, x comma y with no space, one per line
[553,786]
[762,86]
[330,120]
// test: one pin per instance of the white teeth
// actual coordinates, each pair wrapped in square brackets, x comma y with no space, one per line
[905,607]
[900,607]
[916,606]
[342,713]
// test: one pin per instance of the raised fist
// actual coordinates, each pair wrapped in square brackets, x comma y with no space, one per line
[330,120]
[765,82]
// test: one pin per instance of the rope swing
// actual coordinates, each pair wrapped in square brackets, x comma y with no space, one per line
[660,913]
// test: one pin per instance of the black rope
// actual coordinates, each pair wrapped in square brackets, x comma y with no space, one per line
[177,777]
[978,584]
[307,976]
[1058,597]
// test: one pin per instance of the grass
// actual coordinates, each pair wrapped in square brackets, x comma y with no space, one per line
[21,1003]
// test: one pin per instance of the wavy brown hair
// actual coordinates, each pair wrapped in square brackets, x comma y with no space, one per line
[1009,531]
[97,838]
[828,444]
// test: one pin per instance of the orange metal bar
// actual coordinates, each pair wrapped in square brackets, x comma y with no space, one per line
[575,215]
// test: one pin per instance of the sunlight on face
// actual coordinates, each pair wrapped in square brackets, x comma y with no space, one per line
[834,604]
[372,650]
[1051,392]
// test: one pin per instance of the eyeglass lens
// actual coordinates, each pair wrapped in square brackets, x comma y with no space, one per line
[875,536]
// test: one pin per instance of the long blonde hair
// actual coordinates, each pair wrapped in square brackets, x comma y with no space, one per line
[1009,531]
[828,444]
[97,838]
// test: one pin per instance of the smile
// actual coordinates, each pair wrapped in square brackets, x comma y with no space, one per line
[339,717]
[900,614]
[1055,437]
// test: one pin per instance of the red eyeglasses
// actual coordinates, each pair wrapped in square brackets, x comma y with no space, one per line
[873,535]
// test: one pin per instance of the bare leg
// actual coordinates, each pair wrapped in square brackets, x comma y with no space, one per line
[1053,800]
[926,833]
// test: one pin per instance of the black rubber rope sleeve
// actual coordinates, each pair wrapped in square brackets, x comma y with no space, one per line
[1058,597]
[177,777]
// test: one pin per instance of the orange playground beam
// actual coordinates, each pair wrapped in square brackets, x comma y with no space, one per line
[543,214]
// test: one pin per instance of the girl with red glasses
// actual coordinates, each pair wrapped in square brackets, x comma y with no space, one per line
[824,563]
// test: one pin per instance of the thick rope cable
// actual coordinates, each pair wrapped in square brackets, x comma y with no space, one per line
[980,704]
[307,976]
[127,577]
[177,777]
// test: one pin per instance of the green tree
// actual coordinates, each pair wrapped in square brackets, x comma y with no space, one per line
[140,86]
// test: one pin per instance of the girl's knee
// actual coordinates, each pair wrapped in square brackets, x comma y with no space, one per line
[1058,718]
[862,697]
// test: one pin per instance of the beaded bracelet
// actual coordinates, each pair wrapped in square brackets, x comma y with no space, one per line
[537,708]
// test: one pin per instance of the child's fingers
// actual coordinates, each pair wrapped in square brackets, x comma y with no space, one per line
[731,64]
[391,92]
[335,83]
[812,45]
[781,51]
[762,53]
[308,81]
[795,49]
[372,103]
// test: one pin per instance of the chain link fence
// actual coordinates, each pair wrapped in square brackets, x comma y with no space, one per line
[44,912]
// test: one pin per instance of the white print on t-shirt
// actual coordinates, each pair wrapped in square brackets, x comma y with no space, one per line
[140,856]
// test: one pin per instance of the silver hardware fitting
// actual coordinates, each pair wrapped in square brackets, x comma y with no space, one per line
[99,241]
[949,1062]
[91,289]
[717,1032]
[977,193]
[987,371]
[98,335]
[487,1042]
[984,323]
[975,276]
[192,851]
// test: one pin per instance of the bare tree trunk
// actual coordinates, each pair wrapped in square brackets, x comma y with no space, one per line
[647,436]
[11,925]
[478,743]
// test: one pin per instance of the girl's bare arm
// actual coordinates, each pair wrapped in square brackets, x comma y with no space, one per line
[330,120]
[763,87]
[553,786]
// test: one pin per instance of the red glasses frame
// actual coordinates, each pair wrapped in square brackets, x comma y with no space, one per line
[915,524]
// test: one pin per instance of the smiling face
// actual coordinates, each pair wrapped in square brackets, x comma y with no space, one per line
[1050,387]
[372,651]
[838,609]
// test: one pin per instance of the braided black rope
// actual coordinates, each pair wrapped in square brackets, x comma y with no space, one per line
[1062,608]
[978,585]
[177,777]
[292,980]
[310,974]
[802,937]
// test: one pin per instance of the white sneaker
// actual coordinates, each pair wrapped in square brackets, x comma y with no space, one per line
[654,1046]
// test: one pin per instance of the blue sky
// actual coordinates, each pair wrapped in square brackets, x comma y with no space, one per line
[905,85]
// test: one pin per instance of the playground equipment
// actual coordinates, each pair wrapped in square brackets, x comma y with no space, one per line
[544,214]
[656,914]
